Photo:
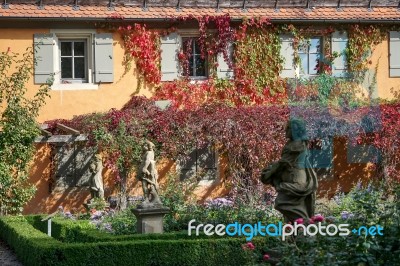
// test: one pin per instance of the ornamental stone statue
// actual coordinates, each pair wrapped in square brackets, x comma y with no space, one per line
[292,176]
[96,180]
[148,176]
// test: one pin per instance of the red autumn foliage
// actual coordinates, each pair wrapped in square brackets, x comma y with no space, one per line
[143,45]
[249,137]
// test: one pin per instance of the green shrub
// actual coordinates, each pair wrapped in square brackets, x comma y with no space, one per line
[36,248]
[18,129]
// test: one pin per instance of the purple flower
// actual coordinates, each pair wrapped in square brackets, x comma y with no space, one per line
[337,199]
[96,215]
[219,202]
[96,223]
[108,227]
[359,185]
[68,215]
[346,215]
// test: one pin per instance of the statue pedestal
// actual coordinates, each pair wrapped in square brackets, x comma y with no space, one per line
[150,220]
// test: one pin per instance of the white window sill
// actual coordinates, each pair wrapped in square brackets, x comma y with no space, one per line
[74,86]
[195,80]
[207,183]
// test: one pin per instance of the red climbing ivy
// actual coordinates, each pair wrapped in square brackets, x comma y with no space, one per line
[258,61]
[143,46]
[248,137]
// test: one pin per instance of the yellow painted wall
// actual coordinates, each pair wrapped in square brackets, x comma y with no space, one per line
[66,104]
[380,58]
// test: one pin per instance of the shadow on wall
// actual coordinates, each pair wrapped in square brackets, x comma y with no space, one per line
[47,199]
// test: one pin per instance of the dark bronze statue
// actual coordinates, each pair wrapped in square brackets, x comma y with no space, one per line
[292,176]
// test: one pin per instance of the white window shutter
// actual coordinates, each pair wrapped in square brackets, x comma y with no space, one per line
[339,45]
[44,57]
[223,70]
[394,56]
[287,53]
[170,45]
[103,58]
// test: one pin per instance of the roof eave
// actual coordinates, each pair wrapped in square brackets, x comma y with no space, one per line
[98,19]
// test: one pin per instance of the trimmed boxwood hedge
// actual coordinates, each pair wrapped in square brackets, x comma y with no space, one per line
[34,247]
[73,231]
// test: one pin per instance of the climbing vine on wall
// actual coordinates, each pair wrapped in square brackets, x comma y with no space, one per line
[256,65]
[256,60]
[362,41]
[143,46]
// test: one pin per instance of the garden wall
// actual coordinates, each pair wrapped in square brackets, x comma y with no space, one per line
[44,201]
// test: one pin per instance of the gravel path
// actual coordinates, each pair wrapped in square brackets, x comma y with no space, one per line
[7,256]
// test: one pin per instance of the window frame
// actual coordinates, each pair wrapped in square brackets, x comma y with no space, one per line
[71,171]
[288,52]
[85,56]
[195,156]
[195,34]
[299,68]
[74,34]
[195,40]
[393,65]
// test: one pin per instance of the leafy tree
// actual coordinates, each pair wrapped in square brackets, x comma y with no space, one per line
[18,129]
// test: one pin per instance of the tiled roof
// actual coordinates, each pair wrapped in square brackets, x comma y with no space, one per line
[134,12]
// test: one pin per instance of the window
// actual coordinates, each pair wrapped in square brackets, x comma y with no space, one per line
[394,56]
[174,43]
[196,64]
[75,59]
[71,164]
[201,163]
[310,53]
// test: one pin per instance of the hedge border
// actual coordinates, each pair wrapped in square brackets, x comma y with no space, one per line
[76,231]
[34,247]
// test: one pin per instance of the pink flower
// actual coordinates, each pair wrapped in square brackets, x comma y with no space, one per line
[318,218]
[248,245]
[311,221]
[265,257]
[299,221]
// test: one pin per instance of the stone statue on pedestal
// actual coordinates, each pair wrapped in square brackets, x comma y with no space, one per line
[148,176]
[150,212]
